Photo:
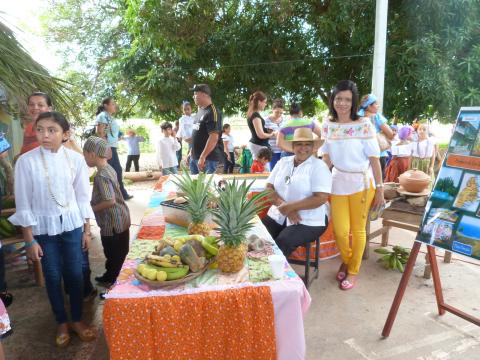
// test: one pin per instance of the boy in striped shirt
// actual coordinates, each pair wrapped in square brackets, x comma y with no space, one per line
[111,211]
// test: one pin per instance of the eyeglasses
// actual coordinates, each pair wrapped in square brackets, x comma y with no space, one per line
[342,101]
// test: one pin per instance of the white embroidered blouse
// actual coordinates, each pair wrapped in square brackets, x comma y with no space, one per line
[69,183]
[424,149]
[349,146]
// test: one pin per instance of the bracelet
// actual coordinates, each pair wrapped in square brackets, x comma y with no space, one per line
[28,244]
[378,186]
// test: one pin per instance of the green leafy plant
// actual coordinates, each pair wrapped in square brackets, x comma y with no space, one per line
[395,259]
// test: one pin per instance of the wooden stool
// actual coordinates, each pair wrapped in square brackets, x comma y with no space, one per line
[307,278]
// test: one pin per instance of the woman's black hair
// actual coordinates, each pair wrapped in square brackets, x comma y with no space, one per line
[344,85]
[225,127]
[295,109]
[56,117]
[105,101]
[47,98]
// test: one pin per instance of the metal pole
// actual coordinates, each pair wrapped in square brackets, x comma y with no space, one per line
[378,73]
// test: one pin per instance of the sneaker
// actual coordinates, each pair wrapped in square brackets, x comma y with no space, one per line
[91,296]
[102,280]
[7,298]
[128,197]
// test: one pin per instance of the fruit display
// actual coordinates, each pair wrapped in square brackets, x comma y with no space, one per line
[7,229]
[234,216]
[166,263]
[197,192]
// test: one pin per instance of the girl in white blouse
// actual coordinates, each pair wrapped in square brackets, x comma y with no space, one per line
[401,155]
[352,149]
[424,150]
[52,196]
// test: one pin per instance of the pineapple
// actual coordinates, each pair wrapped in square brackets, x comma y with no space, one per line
[233,217]
[198,195]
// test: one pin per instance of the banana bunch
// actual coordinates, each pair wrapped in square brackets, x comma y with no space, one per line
[156,273]
[165,261]
[6,228]
[179,241]
[395,259]
[210,244]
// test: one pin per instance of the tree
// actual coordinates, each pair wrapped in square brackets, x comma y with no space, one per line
[149,53]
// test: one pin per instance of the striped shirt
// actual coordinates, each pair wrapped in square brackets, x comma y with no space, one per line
[115,219]
[275,126]
[289,126]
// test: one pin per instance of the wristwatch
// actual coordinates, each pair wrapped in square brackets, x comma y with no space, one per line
[379,186]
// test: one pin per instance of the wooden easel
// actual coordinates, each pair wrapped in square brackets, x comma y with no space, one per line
[442,306]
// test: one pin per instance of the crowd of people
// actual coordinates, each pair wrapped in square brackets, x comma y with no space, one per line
[318,173]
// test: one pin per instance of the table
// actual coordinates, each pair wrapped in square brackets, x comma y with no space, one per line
[215,316]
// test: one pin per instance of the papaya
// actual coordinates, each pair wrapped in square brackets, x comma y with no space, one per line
[197,246]
[190,257]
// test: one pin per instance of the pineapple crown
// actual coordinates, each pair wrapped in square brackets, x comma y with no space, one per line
[236,210]
[197,193]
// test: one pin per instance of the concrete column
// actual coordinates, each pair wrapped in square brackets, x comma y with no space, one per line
[378,73]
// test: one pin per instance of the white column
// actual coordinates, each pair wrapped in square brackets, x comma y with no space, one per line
[378,73]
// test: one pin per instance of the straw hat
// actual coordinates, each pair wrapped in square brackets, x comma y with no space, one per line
[302,134]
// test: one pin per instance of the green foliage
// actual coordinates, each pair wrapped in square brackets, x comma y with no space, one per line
[446,185]
[395,259]
[149,53]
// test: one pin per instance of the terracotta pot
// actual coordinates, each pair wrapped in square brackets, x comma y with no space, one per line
[414,181]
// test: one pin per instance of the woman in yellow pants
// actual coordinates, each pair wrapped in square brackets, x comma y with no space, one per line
[352,149]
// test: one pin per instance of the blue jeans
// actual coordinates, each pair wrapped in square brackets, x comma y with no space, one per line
[62,258]
[115,163]
[170,170]
[210,166]
[275,158]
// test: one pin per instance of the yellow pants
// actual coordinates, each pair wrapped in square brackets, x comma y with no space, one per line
[349,214]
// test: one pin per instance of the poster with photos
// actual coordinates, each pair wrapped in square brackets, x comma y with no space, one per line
[452,215]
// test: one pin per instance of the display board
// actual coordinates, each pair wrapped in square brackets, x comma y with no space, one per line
[452,214]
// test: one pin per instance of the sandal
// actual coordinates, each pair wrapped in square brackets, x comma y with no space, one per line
[347,284]
[342,272]
[62,339]
[86,335]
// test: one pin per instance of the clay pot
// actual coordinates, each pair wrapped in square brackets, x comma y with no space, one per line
[414,181]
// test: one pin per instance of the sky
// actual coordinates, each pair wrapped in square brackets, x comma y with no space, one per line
[22,16]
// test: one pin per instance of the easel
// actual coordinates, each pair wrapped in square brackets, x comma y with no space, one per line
[442,306]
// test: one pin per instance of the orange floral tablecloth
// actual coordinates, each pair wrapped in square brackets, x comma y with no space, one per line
[230,324]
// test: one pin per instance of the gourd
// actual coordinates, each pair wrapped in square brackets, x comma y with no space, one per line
[190,257]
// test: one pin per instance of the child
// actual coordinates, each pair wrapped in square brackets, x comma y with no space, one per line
[52,197]
[264,156]
[401,155]
[424,151]
[133,153]
[167,148]
[111,211]
[229,150]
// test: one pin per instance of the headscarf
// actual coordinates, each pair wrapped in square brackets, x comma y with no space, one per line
[98,146]
[366,103]
[405,132]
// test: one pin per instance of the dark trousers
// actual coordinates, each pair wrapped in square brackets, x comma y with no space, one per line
[62,258]
[288,238]
[179,153]
[135,159]
[383,165]
[115,249]
[87,283]
[3,284]
[229,163]
[275,158]
[115,163]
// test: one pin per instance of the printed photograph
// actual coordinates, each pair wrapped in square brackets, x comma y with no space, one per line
[468,233]
[468,197]
[464,136]
[446,186]
[438,226]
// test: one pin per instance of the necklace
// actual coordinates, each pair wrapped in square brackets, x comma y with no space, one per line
[47,176]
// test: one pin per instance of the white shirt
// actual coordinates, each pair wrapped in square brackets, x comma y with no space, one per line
[167,148]
[185,127]
[310,176]
[35,206]
[424,149]
[229,138]
[403,150]
[349,147]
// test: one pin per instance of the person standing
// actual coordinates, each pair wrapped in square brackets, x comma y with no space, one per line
[185,127]
[108,128]
[133,152]
[273,122]
[256,123]
[229,149]
[52,197]
[369,108]
[207,145]
[167,148]
[351,147]
[111,211]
